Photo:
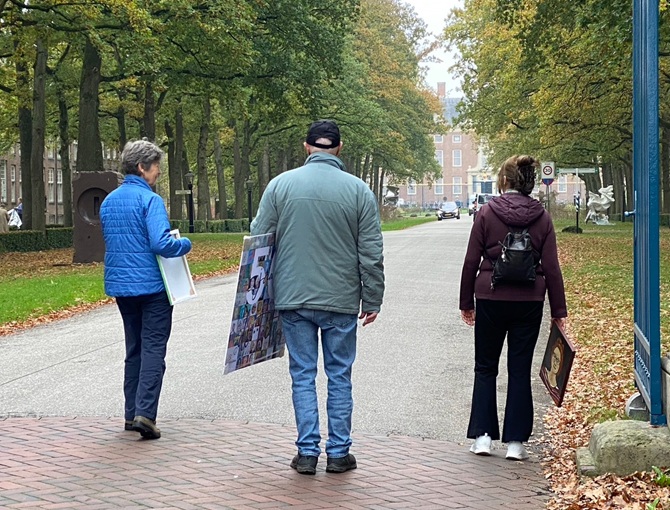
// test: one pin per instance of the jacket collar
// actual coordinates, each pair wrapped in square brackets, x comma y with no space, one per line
[136,180]
[324,157]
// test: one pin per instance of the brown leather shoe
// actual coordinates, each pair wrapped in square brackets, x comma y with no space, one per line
[146,427]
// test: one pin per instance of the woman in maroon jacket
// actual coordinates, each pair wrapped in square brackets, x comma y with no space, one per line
[509,309]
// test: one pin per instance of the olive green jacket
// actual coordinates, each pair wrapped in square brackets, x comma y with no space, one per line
[328,238]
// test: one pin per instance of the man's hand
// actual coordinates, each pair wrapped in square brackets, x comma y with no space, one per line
[468,317]
[368,317]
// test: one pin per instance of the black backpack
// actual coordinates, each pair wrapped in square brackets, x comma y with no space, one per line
[516,264]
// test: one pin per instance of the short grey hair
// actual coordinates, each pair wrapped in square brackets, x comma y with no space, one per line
[140,152]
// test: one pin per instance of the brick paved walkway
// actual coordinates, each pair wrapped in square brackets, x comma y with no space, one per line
[77,463]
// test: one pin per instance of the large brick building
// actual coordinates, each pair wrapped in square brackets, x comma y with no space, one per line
[465,170]
[10,178]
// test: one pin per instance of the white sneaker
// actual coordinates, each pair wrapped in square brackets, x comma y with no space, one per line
[482,445]
[516,451]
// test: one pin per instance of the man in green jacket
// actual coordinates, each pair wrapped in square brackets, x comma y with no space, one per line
[328,272]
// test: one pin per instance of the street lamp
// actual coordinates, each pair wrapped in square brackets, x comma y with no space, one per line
[189,182]
[250,187]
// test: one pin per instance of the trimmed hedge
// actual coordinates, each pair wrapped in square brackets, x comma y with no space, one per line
[212,226]
[57,236]
[36,240]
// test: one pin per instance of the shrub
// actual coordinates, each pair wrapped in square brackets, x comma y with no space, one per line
[23,240]
[59,237]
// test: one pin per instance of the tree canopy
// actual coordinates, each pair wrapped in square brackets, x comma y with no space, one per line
[226,88]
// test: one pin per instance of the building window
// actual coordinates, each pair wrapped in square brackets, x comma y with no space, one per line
[411,187]
[59,181]
[438,138]
[12,183]
[562,184]
[439,187]
[458,186]
[456,138]
[51,187]
[456,157]
[439,157]
[3,181]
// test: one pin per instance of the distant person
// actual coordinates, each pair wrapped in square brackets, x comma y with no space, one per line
[328,271]
[511,310]
[19,209]
[4,219]
[136,228]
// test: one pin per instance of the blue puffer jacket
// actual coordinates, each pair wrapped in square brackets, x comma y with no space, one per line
[136,228]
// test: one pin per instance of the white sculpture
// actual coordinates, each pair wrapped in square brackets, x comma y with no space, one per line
[598,206]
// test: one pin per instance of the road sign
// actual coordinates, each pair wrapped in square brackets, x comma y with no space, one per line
[548,172]
[182,192]
[578,171]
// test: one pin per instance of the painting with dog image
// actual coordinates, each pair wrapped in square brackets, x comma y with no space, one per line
[557,362]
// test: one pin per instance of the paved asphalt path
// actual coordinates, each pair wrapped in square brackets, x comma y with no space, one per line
[413,375]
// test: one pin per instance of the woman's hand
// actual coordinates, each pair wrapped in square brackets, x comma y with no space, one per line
[468,317]
[561,323]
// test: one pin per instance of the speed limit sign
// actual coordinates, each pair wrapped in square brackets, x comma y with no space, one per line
[548,172]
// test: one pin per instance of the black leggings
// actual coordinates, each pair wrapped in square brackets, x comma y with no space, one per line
[520,322]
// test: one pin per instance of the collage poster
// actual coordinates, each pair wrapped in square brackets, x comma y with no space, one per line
[255,330]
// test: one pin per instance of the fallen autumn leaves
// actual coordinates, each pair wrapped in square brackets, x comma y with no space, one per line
[601,325]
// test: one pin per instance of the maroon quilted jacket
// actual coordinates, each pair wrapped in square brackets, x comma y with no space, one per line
[490,227]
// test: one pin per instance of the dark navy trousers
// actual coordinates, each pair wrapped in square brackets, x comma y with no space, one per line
[147,321]
[520,322]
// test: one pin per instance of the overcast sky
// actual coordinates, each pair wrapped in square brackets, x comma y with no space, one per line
[434,12]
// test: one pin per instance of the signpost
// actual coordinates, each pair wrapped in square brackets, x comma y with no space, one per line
[548,175]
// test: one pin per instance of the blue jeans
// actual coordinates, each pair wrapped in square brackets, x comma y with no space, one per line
[338,340]
[147,321]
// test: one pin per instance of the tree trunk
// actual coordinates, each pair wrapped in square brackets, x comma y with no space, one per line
[357,168]
[174,180]
[238,177]
[204,203]
[38,206]
[121,126]
[222,205]
[245,154]
[283,161]
[179,161]
[241,147]
[380,199]
[89,151]
[25,118]
[374,184]
[619,189]
[64,151]
[366,165]
[665,169]
[149,120]
[264,169]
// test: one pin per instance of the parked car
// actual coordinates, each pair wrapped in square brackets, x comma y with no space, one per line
[448,210]
[482,198]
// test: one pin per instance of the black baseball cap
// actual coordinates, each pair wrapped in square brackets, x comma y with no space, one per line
[323,129]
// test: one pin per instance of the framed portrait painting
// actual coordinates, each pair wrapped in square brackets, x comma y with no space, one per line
[557,363]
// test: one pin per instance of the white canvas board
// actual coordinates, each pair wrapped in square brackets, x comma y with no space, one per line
[176,276]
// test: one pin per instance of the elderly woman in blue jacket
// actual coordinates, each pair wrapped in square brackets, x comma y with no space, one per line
[136,228]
